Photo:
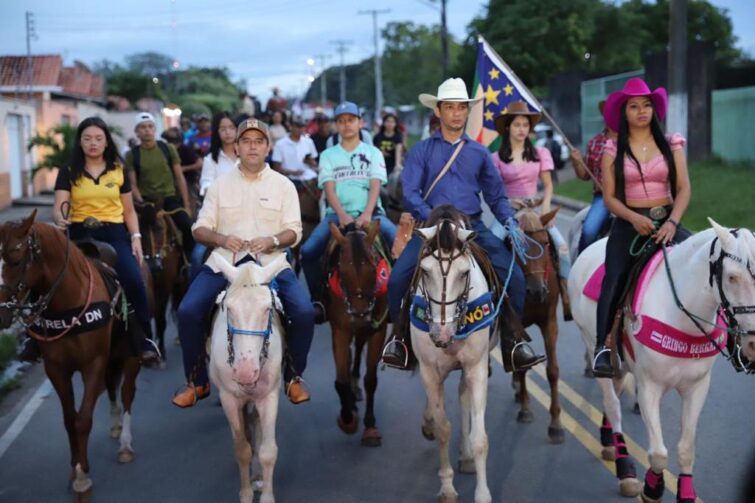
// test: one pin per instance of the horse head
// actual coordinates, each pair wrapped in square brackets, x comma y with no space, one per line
[733,271]
[357,268]
[19,250]
[152,228]
[539,269]
[249,305]
[445,272]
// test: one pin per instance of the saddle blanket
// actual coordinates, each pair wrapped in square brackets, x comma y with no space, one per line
[655,334]
[52,324]
[480,313]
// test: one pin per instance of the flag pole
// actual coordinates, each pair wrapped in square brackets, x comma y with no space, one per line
[542,109]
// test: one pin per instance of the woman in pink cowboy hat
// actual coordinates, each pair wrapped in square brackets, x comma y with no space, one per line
[646,186]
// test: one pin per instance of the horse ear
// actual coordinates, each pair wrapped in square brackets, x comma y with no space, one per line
[516,205]
[427,233]
[545,219]
[26,224]
[336,233]
[230,271]
[534,203]
[372,231]
[271,270]
[464,234]
[727,240]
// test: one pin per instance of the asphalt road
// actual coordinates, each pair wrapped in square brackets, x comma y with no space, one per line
[187,456]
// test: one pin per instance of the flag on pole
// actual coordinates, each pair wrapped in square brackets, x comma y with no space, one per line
[499,86]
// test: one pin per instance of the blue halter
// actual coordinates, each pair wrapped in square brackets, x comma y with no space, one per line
[265,334]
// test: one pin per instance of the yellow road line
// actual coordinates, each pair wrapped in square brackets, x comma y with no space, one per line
[596,416]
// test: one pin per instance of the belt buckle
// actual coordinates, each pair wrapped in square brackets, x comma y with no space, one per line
[658,213]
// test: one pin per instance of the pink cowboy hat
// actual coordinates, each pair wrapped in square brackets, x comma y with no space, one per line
[633,87]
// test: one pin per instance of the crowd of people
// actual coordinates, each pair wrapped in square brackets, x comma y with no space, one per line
[233,183]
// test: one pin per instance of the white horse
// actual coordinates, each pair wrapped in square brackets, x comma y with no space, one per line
[245,366]
[711,269]
[448,276]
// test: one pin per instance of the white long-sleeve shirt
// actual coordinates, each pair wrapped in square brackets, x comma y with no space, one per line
[211,170]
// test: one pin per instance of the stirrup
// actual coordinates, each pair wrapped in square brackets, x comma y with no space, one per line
[395,340]
[514,368]
[595,360]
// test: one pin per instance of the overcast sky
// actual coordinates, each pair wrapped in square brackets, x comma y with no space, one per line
[265,42]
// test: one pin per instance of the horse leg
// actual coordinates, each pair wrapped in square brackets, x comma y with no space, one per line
[61,381]
[693,399]
[466,458]
[161,321]
[347,420]
[267,409]
[606,439]
[371,436]
[525,413]
[355,368]
[242,448]
[477,384]
[112,379]
[94,382]
[441,430]
[254,426]
[629,486]
[550,331]
[128,392]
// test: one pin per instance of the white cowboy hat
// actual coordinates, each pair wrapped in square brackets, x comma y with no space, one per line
[450,90]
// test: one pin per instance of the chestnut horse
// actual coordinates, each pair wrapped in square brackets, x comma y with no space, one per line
[357,313]
[38,259]
[309,206]
[164,255]
[541,275]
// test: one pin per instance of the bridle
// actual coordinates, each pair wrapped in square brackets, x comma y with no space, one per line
[546,252]
[265,334]
[445,264]
[359,294]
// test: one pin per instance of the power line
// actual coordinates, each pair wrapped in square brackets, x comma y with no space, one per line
[378,66]
[341,49]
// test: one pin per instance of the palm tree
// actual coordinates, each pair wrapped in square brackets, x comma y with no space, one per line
[57,143]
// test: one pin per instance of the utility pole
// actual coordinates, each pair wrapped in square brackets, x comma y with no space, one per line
[677,68]
[378,66]
[30,33]
[341,49]
[444,37]
[322,58]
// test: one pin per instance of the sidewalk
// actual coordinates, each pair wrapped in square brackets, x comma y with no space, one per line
[22,208]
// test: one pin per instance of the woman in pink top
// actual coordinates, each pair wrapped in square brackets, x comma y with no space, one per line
[521,164]
[645,185]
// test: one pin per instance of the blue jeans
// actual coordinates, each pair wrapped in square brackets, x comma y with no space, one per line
[129,273]
[197,254]
[195,307]
[596,218]
[313,249]
[498,253]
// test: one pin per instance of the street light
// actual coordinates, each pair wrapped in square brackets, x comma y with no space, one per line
[311,61]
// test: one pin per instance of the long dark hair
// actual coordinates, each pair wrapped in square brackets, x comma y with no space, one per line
[78,159]
[215,143]
[504,152]
[396,129]
[623,148]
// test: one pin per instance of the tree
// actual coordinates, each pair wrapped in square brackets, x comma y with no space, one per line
[57,145]
[150,64]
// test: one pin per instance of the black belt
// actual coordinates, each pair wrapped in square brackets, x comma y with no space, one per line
[655,213]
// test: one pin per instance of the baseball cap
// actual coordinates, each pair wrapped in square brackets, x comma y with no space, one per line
[347,107]
[252,124]
[143,117]
[203,116]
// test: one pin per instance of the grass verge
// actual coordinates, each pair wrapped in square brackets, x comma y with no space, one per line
[720,190]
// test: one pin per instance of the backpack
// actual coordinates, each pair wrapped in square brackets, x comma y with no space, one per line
[136,157]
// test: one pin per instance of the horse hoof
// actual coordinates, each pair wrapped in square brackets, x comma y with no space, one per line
[84,497]
[448,498]
[163,364]
[607,453]
[525,416]
[589,373]
[428,433]
[630,487]
[645,499]
[636,409]
[115,432]
[82,486]
[555,435]
[349,428]
[467,466]
[371,437]
[125,456]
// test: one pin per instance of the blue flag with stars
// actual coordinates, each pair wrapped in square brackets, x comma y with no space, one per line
[499,86]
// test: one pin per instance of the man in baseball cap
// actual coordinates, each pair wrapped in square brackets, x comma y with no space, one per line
[248,213]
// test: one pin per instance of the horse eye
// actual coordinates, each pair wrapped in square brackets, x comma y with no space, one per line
[732,278]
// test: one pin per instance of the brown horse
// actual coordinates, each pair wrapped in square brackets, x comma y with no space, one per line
[164,256]
[309,207]
[357,312]
[39,260]
[541,275]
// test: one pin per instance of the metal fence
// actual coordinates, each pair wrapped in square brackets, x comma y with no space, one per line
[733,117]
[595,90]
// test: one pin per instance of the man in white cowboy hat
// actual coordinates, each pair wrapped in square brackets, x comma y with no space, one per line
[470,171]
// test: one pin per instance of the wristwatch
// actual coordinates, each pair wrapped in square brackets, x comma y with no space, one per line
[276,241]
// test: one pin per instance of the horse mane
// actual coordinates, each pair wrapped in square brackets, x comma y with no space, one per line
[529,221]
[445,214]
[359,249]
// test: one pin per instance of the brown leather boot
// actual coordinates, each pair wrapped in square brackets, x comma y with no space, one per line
[565,301]
[296,391]
[190,395]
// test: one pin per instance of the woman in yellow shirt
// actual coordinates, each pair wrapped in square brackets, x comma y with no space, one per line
[96,186]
